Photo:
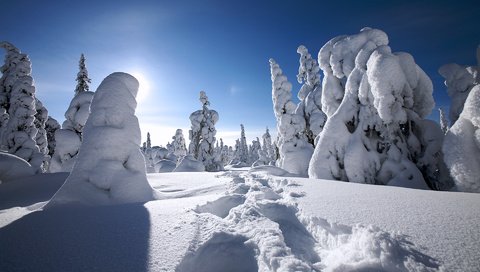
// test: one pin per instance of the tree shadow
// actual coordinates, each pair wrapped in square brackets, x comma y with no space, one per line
[105,238]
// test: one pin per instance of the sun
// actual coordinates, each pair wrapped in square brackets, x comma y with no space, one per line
[144,86]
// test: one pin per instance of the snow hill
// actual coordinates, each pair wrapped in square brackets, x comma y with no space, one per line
[241,220]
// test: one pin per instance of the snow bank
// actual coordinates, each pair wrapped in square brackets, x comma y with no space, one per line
[189,164]
[110,168]
[13,167]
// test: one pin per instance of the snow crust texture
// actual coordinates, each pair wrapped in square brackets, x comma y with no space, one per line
[262,229]
[110,168]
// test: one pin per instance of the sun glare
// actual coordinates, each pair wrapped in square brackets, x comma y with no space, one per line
[144,87]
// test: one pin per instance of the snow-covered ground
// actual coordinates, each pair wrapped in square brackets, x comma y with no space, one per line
[241,221]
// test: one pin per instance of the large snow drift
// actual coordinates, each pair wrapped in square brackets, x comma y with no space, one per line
[110,168]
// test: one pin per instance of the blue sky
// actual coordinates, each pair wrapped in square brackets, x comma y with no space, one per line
[178,48]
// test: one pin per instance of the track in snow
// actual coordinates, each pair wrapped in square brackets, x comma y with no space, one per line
[255,226]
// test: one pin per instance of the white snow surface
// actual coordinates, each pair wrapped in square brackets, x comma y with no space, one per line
[240,221]
[13,167]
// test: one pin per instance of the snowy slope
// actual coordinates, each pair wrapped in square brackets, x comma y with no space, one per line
[240,221]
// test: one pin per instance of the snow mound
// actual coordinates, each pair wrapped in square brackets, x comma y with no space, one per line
[110,168]
[222,206]
[13,167]
[189,164]
[164,166]
[270,170]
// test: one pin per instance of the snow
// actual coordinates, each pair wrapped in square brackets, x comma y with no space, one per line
[13,167]
[189,164]
[240,221]
[110,168]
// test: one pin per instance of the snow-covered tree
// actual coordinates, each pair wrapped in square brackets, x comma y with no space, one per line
[268,147]
[462,142]
[295,151]
[110,168]
[202,135]
[69,138]
[310,95]
[149,142]
[179,147]
[82,77]
[243,147]
[459,81]
[443,121]
[40,120]
[253,151]
[17,98]
[376,102]
[51,126]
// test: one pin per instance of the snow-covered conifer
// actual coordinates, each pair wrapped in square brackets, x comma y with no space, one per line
[69,138]
[443,121]
[82,77]
[179,147]
[254,149]
[376,102]
[202,135]
[243,147]
[149,142]
[17,96]
[268,147]
[295,151]
[110,168]
[51,126]
[310,95]
[40,120]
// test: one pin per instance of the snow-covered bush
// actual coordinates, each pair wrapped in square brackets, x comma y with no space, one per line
[69,138]
[51,126]
[376,102]
[17,97]
[110,168]
[310,95]
[202,135]
[295,151]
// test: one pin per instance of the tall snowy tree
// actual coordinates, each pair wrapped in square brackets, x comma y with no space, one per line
[149,142]
[295,151]
[254,149]
[110,168]
[268,147]
[17,98]
[40,120]
[443,121]
[462,142]
[376,102]
[310,95]
[69,138]
[202,135]
[243,148]
[82,77]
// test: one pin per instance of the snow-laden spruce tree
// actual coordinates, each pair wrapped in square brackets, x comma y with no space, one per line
[462,145]
[295,151]
[69,138]
[460,80]
[268,148]
[110,168]
[202,135]
[51,126]
[462,142]
[149,142]
[179,146]
[40,121]
[253,151]
[310,95]
[17,97]
[376,102]
[243,147]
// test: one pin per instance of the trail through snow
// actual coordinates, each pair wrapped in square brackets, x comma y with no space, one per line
[257,225]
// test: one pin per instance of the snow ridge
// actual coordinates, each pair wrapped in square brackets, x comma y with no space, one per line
[256,226]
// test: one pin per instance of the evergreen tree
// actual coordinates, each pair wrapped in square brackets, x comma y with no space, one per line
[443,121]
[82,77]
[51,126]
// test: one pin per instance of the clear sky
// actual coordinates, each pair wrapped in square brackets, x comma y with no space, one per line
[178,48]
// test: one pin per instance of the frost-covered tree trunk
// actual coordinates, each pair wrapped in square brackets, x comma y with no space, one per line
[69,138]
[443,121]
[179,147]
[310,95]
[294,150]
[110,168]
[17,97]
[376,102]
[51,126]
[202,135]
